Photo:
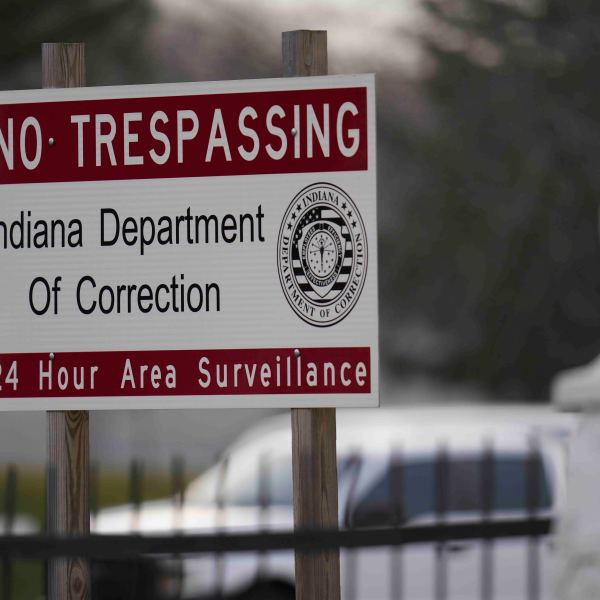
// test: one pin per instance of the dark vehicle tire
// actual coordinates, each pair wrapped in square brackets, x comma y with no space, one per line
[274,590]
[124,580]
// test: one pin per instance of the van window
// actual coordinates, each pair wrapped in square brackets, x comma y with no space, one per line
[409,491]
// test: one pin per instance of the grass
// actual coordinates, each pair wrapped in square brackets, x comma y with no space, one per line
[113,489]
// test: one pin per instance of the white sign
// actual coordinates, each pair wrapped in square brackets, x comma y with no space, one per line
[189,245]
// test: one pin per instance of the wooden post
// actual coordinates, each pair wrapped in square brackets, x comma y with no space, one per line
[68,509]
[313,429]
[304,53]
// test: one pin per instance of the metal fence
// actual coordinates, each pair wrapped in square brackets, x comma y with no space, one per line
[134,561]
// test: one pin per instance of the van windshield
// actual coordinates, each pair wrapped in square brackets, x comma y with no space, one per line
[413,489]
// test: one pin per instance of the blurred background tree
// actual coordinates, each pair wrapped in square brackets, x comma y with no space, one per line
[497,258]
[115,28]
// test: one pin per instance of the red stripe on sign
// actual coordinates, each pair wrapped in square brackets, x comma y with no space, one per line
[294,131]
[252,371]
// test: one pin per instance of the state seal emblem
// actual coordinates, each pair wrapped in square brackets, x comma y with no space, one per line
[322,254]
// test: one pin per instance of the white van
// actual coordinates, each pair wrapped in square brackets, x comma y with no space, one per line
[389,463]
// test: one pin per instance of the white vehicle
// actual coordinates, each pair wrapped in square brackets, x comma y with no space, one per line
[388,469]
[19,525]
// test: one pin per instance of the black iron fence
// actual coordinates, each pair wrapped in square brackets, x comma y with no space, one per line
[137,563]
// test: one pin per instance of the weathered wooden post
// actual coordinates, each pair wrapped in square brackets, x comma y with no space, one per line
[63,65]
[313,429]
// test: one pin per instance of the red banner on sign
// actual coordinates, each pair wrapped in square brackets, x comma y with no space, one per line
[186,373]
[293,131]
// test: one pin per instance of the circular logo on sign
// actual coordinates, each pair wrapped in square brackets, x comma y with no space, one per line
[322,254]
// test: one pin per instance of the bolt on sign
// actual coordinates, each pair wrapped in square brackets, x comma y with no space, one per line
[189,245]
